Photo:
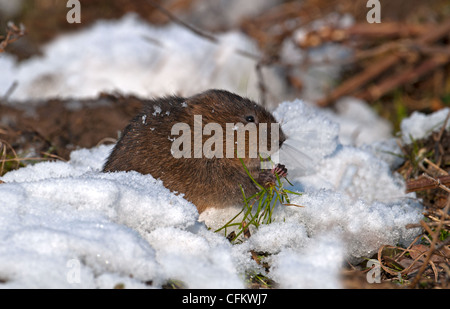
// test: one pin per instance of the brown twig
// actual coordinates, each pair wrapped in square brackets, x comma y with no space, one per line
[10,91]
[261,84]
[430,252]
[4,148]
[13,34]
[361,79]
[177,20]
[387,30]
[425,182]
[433,169]
[412,226]
[375,69]
[246,230]
[407,76]
[25,159]
[53,156]
[395,272]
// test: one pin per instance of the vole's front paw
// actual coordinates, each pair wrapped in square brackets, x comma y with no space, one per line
[280,169]
[268,178]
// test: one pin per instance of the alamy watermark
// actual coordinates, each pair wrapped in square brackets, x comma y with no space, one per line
[73,275]
[244,141]
[374,14]
[374,274]
[74,14]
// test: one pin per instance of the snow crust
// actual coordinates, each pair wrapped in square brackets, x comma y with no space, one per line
[133,57]
[127,228]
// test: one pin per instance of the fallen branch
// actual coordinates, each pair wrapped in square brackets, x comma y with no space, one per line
[388,29]
[409,76]
[425,182]
[361,79]
[362,31]
[382,65]
[429,224]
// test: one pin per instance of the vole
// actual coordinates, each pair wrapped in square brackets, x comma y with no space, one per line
[147,146]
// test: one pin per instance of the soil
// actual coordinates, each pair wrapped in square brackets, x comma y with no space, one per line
[58,127]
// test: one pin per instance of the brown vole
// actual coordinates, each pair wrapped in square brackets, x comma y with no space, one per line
[146,147]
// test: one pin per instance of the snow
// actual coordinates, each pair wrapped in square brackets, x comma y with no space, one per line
[225,14]
[67,225]
[419,125]
[136,58]
[319,266]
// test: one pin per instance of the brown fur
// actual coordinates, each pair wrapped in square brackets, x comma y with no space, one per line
[145,147]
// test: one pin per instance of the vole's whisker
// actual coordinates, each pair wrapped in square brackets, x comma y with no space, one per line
[297,162]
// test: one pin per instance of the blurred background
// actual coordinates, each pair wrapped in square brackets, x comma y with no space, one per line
[270,23]
[316,50]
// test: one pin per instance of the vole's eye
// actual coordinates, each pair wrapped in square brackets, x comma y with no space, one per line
[250,119]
